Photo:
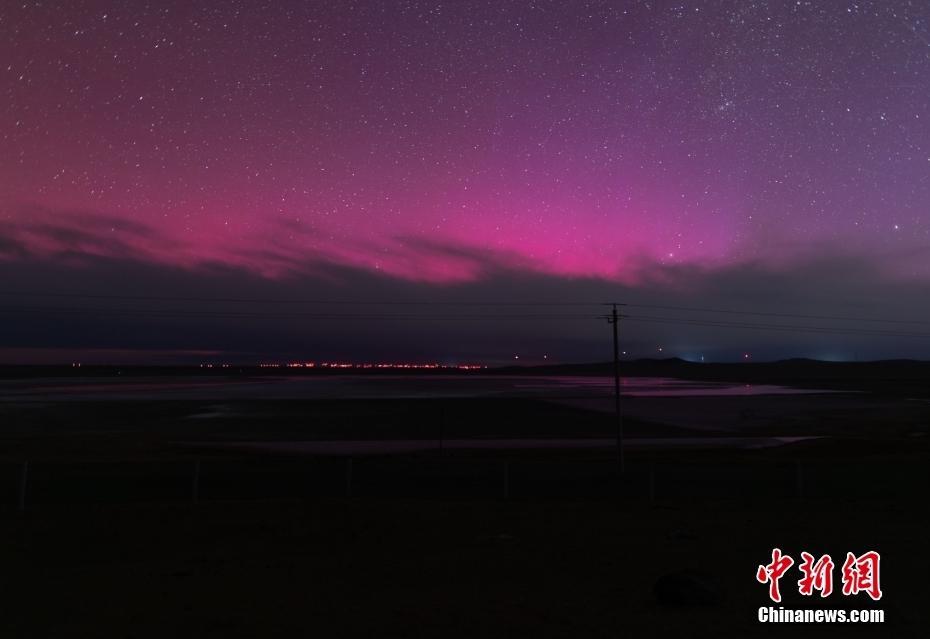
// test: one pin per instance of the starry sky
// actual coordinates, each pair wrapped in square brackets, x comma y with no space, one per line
[644,148]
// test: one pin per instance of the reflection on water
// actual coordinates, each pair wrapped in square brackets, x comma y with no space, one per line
[657,387]
[374,386]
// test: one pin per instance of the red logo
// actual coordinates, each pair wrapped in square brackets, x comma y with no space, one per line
[773,572]
[817,576]
[860,574]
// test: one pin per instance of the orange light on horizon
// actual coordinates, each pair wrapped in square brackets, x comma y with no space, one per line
[358,366]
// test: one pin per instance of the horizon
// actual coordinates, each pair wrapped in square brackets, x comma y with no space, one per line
[432,366]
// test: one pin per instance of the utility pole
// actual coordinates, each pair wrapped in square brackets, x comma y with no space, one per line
[614,320]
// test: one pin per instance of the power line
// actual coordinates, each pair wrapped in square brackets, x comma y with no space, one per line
[451,304]
[784,315]
[775,327]
[449,317]
[232,314]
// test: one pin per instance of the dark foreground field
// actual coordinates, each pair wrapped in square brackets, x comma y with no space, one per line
[435,568]
[134,519]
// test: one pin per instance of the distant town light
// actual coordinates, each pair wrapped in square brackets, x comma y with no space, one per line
[368,366]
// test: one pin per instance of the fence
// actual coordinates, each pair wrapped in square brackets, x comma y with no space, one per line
[31,483]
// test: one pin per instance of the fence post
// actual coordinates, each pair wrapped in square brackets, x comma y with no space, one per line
[349,472]
[23,483]
[442,426]
[652,482]
[195,483]
[506,484]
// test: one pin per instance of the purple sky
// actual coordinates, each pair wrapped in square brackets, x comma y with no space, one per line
[442,143]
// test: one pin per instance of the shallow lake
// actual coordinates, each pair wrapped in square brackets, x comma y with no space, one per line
[374,386]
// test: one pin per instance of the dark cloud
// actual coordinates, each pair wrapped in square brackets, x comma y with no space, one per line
[381,319]
[75,234]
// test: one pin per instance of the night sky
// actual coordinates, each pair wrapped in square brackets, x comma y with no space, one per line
[760,156]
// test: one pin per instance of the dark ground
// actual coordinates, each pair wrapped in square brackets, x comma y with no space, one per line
[502,544]
[435,568]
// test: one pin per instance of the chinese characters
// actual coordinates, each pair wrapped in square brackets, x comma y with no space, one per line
[859,574]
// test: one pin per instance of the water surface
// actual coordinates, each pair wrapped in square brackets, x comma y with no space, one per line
[374,386]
